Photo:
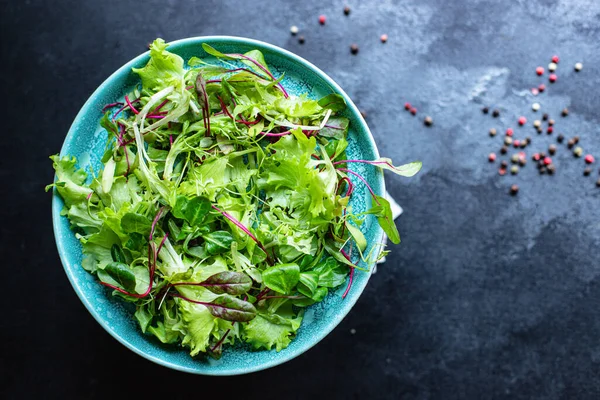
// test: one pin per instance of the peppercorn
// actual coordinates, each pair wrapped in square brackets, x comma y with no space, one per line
[589,159]
[536,157]
[413,111]
[502,171]
[544,117]
[493,132]
[535,91]
[598,183]
[552,149]
[528,140]
[514,189]
[543,155]
[539,130]
[354,48]
[522,162]
[587,171]
[514,158]
[503,150]
[522,120]
[537,123]
[524,144]
[575,139]
[551,169]
[552,78]
[542,170]
[555,59]
[485,110]
[547,161]
[565,112]
[322,19]
[539,71]
[428,121]
[560,138]
[383,38]
[496,113]
[492,157]
[293,30]
[514,170]
[509,132]
[516,143]
[578,152]
[570,143]
[550,122]
[504,164]
[535,106]
[407,106]
[552,67]
[346,10]
[578,67]
[301,39]
[550,130]
[507,140]
[541,87]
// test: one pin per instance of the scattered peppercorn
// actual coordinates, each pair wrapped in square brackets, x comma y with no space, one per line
[545,117]
[589,159]
[493,132]
[514,170]
[536,157]
[413,111]
[502,171]
[565,112]
[514,189]
[346,10]
[578,67]
[547,161]
[294,30]
[535,91]
[354,48]
[551,169]
[407,106]
[570,143]
[551,122]
[514,158]
[578,152]
[598,183]
[539,129]
[539,71]
[504,164]
[428,121]
[509,132]
[587,171]
[496,113]
[541,87]
[522,162]
[576,139]
[301,39]
[542,170]
[550,130]
[322,19]
[516,143]
[507,140]
[560,138]
[535,106]
[522,120]
[552,67]
[503,150]
[524,144]
[383,38]
[552,149]
[485,110]
[555,59]
[492,157]
[552,78]
[543,155]
[537,123]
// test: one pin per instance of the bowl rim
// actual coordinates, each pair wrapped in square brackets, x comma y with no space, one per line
[350,301]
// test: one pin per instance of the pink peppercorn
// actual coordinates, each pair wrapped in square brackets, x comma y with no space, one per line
[541,87]
[509,132]
[589,159]
[522,155]
[492,157]
[502,171]
[522,121]
[535,91]
[516,143]
[536,157]
[407,106]
[383,38]
[555,59]
[322,19]
[550,130]
[539,70]
[413,111]
[547,161]
[552,78]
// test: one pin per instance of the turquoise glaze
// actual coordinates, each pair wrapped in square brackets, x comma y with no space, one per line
[86,141]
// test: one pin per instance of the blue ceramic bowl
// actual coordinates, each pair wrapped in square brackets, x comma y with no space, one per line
[86,140]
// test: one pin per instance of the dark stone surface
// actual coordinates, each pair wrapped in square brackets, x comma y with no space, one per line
[488,296]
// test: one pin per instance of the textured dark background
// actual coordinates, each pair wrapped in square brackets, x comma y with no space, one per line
[488,296]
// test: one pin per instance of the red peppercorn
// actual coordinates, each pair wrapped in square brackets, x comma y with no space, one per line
[552,78]
[522,155]
[541,87]
[413,111]
[492,157]
[516,143]
[539,70]
[407,106]
[522,121]
[322,19]
[547,161]
[502,171]
[550,130]
[536,157]
[509,132]
[589,159]
[555,59]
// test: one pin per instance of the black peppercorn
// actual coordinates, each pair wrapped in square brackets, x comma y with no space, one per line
[301,39]
[504,150]
[551,122]
[496,113]
[354,48]
[552,149]
[551,169]
[346,10]
[545,117]
[575,139]
[565,112]
[504,164]
[587,171]
[428,121]
[560,138]
[485,110]
[514,189]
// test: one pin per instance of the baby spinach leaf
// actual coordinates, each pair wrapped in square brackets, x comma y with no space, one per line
[217,242]
[121,273]
[136,223]
[192,210]
[281,278]
[333,101]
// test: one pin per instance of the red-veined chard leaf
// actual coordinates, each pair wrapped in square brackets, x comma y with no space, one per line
[333,101]
[229,282]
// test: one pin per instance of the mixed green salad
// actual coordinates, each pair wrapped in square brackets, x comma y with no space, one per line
[222,208]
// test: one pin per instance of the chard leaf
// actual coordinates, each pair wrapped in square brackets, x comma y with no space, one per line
[383,212]
[281,278]
[336,127]
[407,170]
[333,101]
[230,282]
[231,308]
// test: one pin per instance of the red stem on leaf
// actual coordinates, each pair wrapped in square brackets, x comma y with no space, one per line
[131,105]
[363,180]
[111,105]
[351,277]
